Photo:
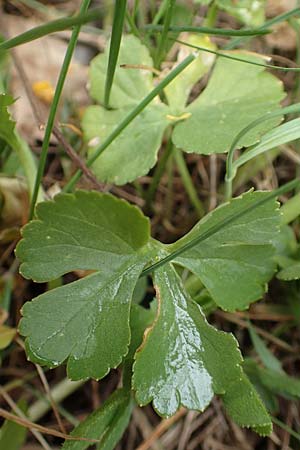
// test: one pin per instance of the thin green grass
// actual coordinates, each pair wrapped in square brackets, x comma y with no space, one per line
[117,29]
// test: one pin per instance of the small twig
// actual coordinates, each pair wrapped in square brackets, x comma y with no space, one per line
[34,426]
[21,418]
[47,390]
[79,163]
[265,334]
[161,428]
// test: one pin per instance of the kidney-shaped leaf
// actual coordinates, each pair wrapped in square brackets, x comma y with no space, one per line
[130,84]
[183,360]
[134,152]
[236,262]
[87,321]
[237,94]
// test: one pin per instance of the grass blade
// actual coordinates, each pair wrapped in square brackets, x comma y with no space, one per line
[164,35]
[209,30]
[50,27]
[50,123]
[118,22]
[230,169]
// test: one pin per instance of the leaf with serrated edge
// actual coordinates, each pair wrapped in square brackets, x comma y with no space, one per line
[183,360]
[107,423]
[130,84]
[236,94]
[236,262]
[290,273]
[85,230]
[134,152]
[87,321]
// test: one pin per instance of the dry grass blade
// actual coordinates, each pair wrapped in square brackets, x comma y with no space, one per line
[28,424]
[161,428]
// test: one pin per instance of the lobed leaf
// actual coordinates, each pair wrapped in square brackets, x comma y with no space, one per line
[85,230]
[134,152]
[236,94]
[236,262]
[85,322]
[192,359]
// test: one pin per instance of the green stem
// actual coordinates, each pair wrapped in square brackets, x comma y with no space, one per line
[286,428]
[211,16]
[188,183]
[131,116]
[50,123]
[160,13]
[61,391]
[230,168]
[117,29]
[164,35]
[208,30]
[223,54]
[290,210]
[160,168]
[28,163]
[50,27]
[220,225]
[278,19]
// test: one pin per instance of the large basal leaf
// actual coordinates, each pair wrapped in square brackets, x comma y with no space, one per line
[134,152]
[236,262]
[85,230]
[106,424]
[130,84]
[87,321]
[183,360]
[236,94]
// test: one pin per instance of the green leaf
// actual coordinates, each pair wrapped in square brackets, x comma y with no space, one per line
[243,404]
[292,272]
[183,360]
[266,356]
[237,261]
[134,152]
[87,321]
[6,336]
[283,134]
[236,94]
[107,423]
[177,92]
[85,230]
[7,125]
[278,382]
[130,84]
[247,11]
[13,435]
